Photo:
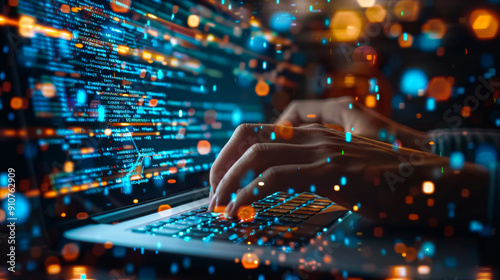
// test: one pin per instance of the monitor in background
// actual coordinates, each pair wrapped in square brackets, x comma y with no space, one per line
[117,103]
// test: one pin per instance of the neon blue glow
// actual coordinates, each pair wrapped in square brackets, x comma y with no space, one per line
[281,21]
[348,137]
[343,180]
[412,81]
[264,65]
[457,160]
[430,104]
[329,80]
[273,136]
[313,188]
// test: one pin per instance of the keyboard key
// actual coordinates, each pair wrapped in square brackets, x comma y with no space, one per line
[297,216]
[186,223]
[194,233]
[166,231]
[275,210]
[292,220]
[311,205]
[176,227]
[325,218]
[141,229]
[301,212]
[197,219]
[155,225]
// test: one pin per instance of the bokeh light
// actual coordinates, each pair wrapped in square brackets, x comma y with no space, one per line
[407,10]
[281,21]
[366,3]
[346,26]
[435,28]
[440,88]
[484,24]
[413,81]
[377,13]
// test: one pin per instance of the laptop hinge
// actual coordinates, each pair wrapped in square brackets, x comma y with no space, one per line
[151,207]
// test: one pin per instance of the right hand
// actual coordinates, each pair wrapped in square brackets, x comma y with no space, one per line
[351,116]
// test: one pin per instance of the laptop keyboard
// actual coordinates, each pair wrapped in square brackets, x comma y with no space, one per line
[281,219]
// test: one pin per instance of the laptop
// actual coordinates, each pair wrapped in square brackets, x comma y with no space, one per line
[122,107]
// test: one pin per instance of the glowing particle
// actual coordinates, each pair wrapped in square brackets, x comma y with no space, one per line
[246,214]
[135,200]
[413,81]
[262,88]
[428,187]
[348,137]
[457,160]
[250,261]
[336,188]
[27,26]
[68,166]
[343,180]
[413,217]
[48,90]
[193,21]
[164,207]
[203,147]
[70,252]
[405,40]
[120,6]
[423,269]
[370,101]
[261,184]
[313,188]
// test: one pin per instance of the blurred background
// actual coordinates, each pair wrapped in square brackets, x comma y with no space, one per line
[411,60]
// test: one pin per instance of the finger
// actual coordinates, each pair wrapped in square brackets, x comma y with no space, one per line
[243,138]
[298,177]
[258,158]
[300,112]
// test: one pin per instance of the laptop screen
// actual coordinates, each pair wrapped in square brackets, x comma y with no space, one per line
[114,103]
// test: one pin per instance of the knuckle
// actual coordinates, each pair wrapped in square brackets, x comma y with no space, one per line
[243,129]
[272,174]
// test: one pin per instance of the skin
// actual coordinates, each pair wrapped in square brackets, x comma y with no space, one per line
[379,175]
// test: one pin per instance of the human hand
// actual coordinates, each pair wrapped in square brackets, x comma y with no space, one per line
[351,116]
[316,158]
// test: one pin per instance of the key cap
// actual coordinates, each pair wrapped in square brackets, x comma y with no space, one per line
[311,209]
[325,218]
[140,229]
[314,206]
[301,212]
[176,227]
[155,225]
[166,232]
[296,216]
[281,211]
[197,219]
[186,223]
[197,233]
